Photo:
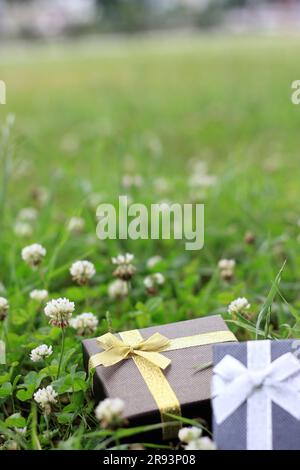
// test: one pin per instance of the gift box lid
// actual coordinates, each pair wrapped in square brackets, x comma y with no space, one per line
[252,408]
[191,387]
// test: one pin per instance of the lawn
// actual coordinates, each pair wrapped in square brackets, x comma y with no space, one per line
[88,114]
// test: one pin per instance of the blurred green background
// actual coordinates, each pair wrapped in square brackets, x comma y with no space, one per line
[92,111]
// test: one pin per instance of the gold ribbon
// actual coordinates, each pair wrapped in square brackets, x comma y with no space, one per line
[146,355]
[117,350]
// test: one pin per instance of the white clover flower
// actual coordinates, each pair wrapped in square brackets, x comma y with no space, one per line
[118,289]
[225,264]
[153,261]
[204,443]
[127,181]
[153,281]
[197,195]
[148,282]
[21,431]
[39,295]
[46,397]
[199,176]
[161,185]
[41,352]
[123,259]
[82,271]
[4,306]
[28,214]
[85,324]
[238,305]
[226,267]
[59,311]
[202,180]
[138,181]
[9,444]
[125,269]
[76,225]
[33,254]
[196,165]
[94,199]
[187,435]
[227,274]
[110,412]
[23,229]
[130,181]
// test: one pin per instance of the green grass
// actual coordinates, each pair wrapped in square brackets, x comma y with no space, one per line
[88,113]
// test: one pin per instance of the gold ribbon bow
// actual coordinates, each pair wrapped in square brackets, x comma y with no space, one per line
[146,356]
[116,350]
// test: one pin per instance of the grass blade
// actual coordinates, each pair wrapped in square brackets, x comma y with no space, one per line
[269,301]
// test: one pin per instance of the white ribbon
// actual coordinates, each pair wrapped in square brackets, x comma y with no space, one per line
[262,383]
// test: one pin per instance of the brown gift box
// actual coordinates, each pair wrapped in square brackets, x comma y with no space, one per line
[192,387]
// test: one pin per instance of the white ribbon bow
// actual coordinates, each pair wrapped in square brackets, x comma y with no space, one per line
[262,383]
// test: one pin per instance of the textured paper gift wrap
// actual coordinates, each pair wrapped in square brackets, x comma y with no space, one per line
[177,387]
[256,396]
